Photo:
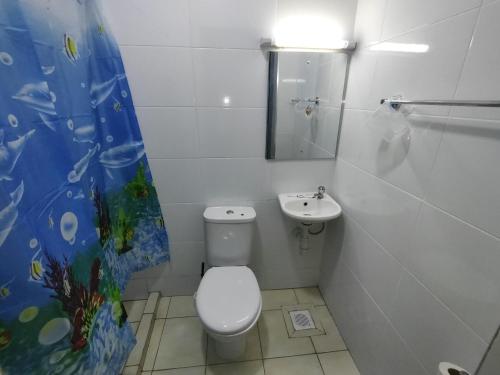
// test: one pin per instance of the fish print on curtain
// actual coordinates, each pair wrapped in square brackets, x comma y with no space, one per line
[78,211]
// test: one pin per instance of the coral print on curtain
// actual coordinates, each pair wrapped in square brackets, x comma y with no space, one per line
[78,211]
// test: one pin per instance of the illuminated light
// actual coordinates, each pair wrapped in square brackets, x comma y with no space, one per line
[293,80]
[226,100]
[401,47]
[309,49]
[308,32]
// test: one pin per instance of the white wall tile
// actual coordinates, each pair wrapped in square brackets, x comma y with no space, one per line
[159,284]
[387,213]
[231,24]
[231,180]
[274,230]
[491,364]
[174,285]
[481,77]
[376,269]
[360,81]
[232,132]
[369,21]
[184,222]
[149,22]
[168,132]
[177,180]
[352,137]
[385,186]
[397,148]
[280,278]
[183,58]
[466,179]
[430,75]
[276,245]
[239,76]
[187,258]
[159,76]
[136,289]
[459,264]
[374,344]
[161,270]
[300,176]
[404,15]
[335,287]
[432,331]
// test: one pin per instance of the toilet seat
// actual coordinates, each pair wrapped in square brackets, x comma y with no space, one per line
[228,300]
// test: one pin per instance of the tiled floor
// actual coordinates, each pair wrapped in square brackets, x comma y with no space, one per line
[171,340]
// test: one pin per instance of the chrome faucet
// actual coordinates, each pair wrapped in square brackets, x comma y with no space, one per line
[321,192]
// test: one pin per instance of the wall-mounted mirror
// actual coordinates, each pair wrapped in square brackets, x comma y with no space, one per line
[305,104]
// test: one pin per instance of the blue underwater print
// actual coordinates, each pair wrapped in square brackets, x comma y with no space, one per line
[78,210]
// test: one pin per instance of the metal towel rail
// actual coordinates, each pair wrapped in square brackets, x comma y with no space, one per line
[301,100]
[396,103]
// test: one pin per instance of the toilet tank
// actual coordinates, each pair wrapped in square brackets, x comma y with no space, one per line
[228,235]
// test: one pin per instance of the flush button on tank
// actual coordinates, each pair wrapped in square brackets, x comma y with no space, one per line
[229,212]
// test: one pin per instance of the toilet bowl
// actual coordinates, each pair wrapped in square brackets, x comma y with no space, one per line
[229,303]
[228,299]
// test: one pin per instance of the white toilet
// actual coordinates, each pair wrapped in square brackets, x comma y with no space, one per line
[228,299]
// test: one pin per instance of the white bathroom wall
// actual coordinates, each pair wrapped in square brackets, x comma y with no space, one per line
[491,362]
[199,83]
[411,271]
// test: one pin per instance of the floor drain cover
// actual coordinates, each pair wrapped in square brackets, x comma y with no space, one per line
[302,320]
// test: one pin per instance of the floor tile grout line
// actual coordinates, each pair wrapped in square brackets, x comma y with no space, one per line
[230,363]
[153,323]
[262,359]
[142,313]
[310,340]
[251,360]
[181,317]
[320,364]
[338,330]
[293,305]
[159,342]
[168,308]
[310,354]
[206,354]
[144,348]
[321,295]
[300,355]
[147,341]
[260,344]
[206,347]
[258,359]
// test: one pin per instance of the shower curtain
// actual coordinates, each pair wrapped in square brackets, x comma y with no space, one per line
[78,211]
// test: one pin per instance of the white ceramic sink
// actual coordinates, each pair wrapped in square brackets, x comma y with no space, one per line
[304,207]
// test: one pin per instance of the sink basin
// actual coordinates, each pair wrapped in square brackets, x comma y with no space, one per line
[307,209]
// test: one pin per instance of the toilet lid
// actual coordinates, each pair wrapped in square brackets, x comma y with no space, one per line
[228,299]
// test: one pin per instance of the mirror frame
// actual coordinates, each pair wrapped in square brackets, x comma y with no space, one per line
[272,93]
